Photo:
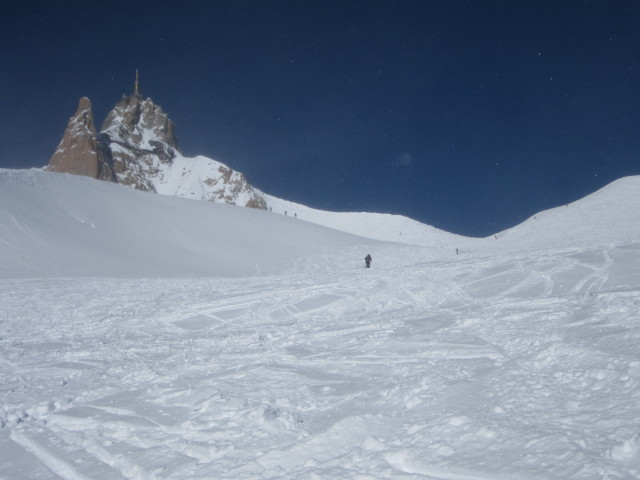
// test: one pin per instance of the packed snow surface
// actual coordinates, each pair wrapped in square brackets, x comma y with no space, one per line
[123,357]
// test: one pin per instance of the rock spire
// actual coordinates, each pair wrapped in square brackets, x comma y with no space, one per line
[79,152]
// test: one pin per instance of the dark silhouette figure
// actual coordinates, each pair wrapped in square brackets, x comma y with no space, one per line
[367,261]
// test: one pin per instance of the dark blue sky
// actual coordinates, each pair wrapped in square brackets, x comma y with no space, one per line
[467,115]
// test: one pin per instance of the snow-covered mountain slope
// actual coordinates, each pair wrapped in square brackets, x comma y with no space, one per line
[252,345]
[202,178]
[61,225]
[58,224]
[611,214]
[380,226]
[519,367]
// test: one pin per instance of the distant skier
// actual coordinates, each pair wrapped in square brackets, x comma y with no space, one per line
[367,261]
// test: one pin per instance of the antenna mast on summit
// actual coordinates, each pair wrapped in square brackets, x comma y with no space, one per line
[136,86]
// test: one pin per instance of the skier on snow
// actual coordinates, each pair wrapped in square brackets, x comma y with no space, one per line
[367,260]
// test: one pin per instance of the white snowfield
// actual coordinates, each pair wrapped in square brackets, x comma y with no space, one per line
[149,337]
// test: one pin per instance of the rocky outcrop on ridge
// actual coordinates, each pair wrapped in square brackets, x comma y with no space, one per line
[79,151]
[206,179]
[138,147]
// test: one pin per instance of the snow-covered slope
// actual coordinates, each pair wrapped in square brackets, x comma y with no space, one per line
[252,345]
[611,214]
[57,224]
[386,227]
[60,224]
[203,178]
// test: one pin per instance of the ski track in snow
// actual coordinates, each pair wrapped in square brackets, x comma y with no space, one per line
[520,366]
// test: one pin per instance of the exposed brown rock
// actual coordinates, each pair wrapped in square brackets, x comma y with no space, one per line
[78,152]
[257,202]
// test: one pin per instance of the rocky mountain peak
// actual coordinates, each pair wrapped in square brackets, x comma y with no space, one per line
[138,147]
[79,152]
[140,137]
[139,122]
